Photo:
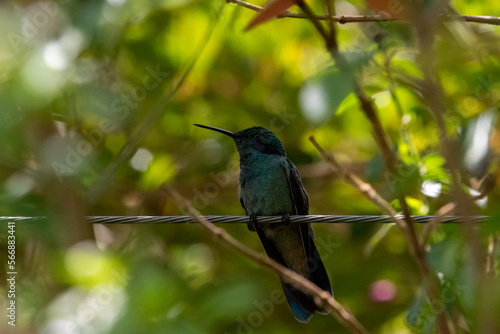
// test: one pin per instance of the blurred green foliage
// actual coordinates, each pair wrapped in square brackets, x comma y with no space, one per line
[92,123]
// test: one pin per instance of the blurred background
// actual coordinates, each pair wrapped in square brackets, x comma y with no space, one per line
[97,102]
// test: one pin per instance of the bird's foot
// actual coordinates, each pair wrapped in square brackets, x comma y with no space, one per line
[252,223]
[285,219]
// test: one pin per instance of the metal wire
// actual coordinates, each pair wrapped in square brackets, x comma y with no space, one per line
[246,219]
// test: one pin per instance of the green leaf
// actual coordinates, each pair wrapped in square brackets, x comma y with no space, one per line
[433,168]
[417,207]
[351,102]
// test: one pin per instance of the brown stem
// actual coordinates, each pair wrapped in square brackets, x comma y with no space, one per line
[414,245]
[322,298]
[332,41]
[368,109]
[364,188]
[407,225]
[342,19]
[309,14]
[434,95]
[446,210]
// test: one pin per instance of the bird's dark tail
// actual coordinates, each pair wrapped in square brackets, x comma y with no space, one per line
[302,305]
[319,276]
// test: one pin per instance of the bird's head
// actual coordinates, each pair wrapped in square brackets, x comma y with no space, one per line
[254,139]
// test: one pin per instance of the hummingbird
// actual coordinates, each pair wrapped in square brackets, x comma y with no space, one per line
[270,185]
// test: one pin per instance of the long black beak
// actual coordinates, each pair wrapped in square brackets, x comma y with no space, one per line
[226,132]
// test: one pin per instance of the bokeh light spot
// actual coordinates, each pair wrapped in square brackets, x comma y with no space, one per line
[141,160]
[383,291]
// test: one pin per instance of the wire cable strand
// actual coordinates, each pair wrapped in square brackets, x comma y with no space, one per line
[331,219]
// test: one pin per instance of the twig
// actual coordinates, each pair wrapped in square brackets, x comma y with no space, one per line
[368,109]
[407,226]
[445,211]
[415,249]
[310,15]
[370,193]
[364,188]
[493,20]
[330,8]
[490,259]
[321,297]
[342,19]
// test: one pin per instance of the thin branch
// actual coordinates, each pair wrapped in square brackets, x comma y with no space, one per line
[490,259]
[445,211]
[368,108]
[330,9]
[310,15]
[370,193]
[493,20]
[407,226]
[367,105]
[342,19]
[415,250]
[370,112]
[364,188]
[321,298]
